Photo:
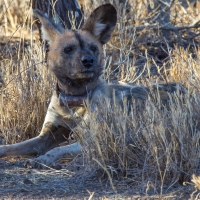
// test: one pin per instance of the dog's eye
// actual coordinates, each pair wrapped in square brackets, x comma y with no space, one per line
[68,49]
[93,48]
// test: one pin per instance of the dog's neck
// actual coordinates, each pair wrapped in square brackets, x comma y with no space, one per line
[74,94]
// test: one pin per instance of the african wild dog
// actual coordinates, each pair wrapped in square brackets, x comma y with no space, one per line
[76,59]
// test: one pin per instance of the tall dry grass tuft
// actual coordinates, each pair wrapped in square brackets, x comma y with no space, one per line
[27,82]
[15,17]
[25,96]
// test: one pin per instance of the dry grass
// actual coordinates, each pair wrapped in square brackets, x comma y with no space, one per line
[153,143]
[153,146]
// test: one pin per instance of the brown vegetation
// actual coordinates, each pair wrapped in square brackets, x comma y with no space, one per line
[152,149]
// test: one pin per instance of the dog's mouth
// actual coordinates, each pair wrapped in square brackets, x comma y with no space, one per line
[86,74]
[72,100]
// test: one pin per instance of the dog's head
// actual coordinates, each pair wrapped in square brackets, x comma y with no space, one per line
[75,56]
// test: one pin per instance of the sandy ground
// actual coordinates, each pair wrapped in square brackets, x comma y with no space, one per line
[71,182]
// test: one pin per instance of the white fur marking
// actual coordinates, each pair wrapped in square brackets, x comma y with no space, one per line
[98,28]
[49,159]
[124,84]
[45,35]
[51,115]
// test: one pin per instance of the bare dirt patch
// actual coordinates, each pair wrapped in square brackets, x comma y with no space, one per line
[73,182]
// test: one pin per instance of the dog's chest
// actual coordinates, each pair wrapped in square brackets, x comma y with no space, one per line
[73,116]
[78,113]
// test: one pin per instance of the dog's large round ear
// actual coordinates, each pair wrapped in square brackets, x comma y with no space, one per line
[101,22]
[49,29]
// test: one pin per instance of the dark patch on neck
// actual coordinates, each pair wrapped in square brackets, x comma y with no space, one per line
[72,87]
[78,37]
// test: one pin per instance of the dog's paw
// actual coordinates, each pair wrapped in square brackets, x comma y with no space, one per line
[42,162]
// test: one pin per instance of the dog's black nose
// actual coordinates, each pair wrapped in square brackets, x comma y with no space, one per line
[87,61]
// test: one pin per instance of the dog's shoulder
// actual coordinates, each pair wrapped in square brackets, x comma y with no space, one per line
[116,94]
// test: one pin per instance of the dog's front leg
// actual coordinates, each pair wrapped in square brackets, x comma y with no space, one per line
[50,137]
[49,159]
[54,132]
